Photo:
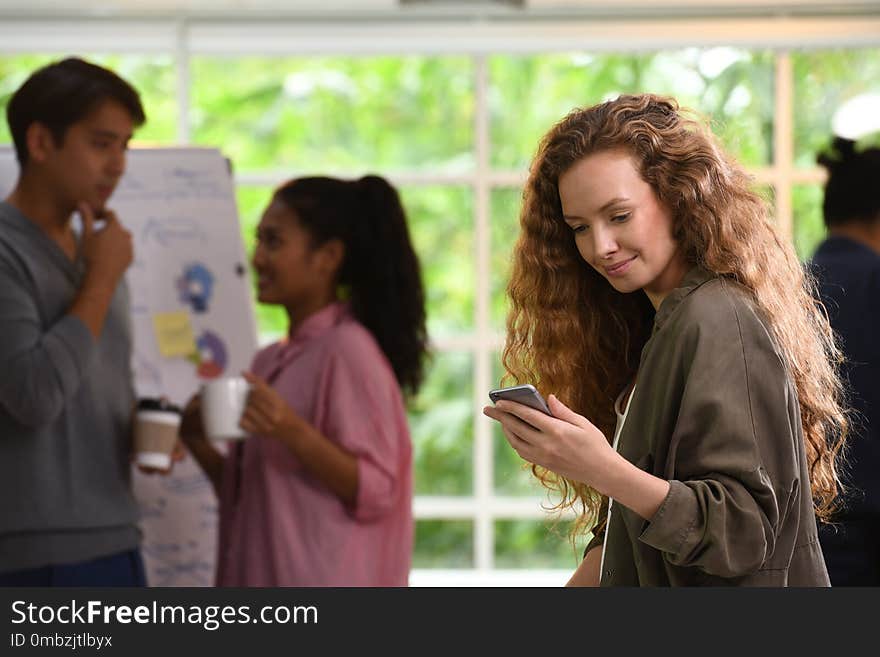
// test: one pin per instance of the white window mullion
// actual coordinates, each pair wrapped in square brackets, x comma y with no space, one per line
[783,143]
[182,62]
[457,507]
[484,531]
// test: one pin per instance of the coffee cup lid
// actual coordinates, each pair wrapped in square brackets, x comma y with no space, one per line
[157,404]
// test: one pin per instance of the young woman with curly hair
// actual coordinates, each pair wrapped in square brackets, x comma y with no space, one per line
[702,411]
[320,493]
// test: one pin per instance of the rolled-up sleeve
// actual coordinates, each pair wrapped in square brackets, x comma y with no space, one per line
[731,461]
[365,416]
[40,369]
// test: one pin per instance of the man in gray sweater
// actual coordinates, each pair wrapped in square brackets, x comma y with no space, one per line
[67,513]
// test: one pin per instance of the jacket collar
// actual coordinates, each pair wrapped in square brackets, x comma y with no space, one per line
[691,281]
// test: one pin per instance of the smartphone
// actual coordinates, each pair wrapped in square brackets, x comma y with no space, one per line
[525,394]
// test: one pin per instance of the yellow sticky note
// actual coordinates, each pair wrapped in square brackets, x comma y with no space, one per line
[174,334]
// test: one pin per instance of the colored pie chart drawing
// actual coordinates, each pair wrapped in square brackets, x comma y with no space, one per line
[212,356]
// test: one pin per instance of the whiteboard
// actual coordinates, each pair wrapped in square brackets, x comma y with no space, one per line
[179,204]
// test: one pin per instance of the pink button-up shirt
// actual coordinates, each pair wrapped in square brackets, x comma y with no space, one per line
[281,526]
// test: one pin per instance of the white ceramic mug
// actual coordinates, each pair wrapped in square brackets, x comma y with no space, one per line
[223,402]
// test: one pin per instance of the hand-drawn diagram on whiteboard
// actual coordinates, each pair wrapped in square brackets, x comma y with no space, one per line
[195,286]
[190,263]
[192,318]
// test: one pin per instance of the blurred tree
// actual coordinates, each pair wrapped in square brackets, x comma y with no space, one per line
[336,114]
[444,544]
[537,544]
[733,88]
[809,227]
[823,81]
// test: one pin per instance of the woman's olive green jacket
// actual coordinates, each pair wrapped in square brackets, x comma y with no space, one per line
[715,412]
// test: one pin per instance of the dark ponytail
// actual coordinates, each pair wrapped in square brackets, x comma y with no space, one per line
[852,192]
[380,272]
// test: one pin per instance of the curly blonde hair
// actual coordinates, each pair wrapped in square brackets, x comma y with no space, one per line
[566,323]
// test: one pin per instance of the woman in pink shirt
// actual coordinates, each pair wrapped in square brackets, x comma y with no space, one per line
[320,493]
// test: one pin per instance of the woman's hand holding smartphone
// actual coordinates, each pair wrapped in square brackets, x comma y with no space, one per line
[524,394]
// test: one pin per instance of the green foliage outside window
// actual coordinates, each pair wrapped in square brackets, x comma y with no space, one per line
[823,81]
[504,230]
[441,222]
[734,88]
[441,419]
[809,228]
[444,544]
[308,114]
[536,544]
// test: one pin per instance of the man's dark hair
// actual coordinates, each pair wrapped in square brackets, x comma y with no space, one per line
[62,93]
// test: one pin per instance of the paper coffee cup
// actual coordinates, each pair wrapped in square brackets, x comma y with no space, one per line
[223,402]
[155,432]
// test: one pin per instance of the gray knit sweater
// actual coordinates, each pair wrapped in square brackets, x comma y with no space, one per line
[65,408]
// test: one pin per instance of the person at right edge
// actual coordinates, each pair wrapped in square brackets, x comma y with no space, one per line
[648,271]
[847,266]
